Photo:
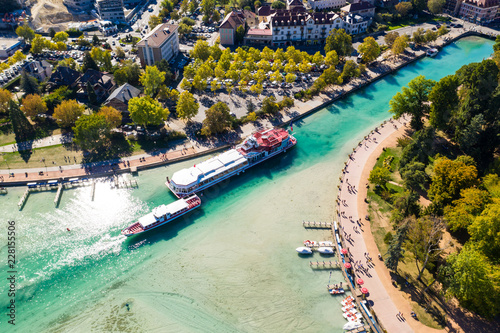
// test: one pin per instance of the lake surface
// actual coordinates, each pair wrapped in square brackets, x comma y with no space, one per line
[230,266]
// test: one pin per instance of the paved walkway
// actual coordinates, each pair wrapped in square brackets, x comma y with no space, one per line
[352,231]
[44,142]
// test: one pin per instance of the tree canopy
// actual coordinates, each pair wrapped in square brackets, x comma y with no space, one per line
[32,105]
[412,101]
[369,49]
[147,111]
[339,41]
[91,131]
[217,120]
[187,107]
[68,112]
[151,79]
[113,116]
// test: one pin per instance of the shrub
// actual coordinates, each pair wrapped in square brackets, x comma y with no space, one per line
[388,238]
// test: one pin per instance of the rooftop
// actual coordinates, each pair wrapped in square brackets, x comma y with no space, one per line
[158,35]
[260,32]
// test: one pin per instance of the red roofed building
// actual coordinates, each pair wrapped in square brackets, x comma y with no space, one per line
[259,37]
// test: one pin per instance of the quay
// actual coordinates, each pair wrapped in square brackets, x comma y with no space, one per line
[316,225]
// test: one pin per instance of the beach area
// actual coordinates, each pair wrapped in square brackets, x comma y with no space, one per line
[231,266]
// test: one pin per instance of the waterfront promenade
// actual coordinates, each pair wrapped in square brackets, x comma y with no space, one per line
[355,234]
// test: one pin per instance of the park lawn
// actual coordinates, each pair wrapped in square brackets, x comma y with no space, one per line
[137,39]
[54,156]
[7,139]
[411,21]
[379,211]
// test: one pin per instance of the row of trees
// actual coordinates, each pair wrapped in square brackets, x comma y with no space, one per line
[465,190]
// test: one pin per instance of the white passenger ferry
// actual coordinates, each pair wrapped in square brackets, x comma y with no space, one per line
[259,147]
[162,215]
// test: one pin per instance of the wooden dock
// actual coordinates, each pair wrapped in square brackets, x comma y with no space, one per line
[58,194]
[316,225]
[92,190]
[324,264]
[23,199]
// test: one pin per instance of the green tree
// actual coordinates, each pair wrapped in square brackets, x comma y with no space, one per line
[419,36]
[269,105]
[68,112]
[485,231]
[25,32]
[151,79]
[331,58]
[399,45]
[217,120]
[60,37]
[184,29]
[23,129]
[463,211]
[147,111]
[473,282]
[16,57]
[290,78]
[379,176]
[435,6]
[38,44]
[32,105]
[390,38]
[405,204]
[120,76]
[444,99]
[102,58]
[419,149]
[91,132]
[449,178]
[350,70]
[29,84]
[56,97]
[419,5]
[88,63]
[404,8]
[395,251]
[369,49]
[240,33]
[413,101]
[113,116]
[278,5]
[154,21]
[52,32]
[95,40]
[187,107]
[340,42]
[414,176]
[201,50]
[430,36]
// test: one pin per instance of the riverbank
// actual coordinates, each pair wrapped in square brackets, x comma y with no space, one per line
[191,149]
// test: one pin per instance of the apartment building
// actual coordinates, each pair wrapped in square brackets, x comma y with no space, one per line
[161,43]
[110,10]
[319,5]
[479,11]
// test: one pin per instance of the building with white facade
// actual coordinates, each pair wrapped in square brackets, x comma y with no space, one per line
[319,5]
[9,46]
[161,43]
[356,24]
[303,28]
[110,10]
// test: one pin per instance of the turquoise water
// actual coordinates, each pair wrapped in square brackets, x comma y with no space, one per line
[229,266]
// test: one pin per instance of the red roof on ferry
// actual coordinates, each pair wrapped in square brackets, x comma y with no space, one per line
[271,137]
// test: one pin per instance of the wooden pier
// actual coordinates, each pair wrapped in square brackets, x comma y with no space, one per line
[22,201]
[324,264]
[92,190]
[316,225]
[58,194]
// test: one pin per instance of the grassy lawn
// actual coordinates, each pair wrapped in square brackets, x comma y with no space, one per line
[136,39]
[51,154]
[411,21]
[430,313]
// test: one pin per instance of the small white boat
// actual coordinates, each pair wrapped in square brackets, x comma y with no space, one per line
[304,250]
[352,325]
[336,291]
[349,307]
[326,243]
[432,52]
[347,300]
[352,316]
[310,243]
[325,250]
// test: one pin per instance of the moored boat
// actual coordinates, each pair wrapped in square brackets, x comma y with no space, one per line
[336,291]
[163,214]
[347,300]
[325,250]
[259,147]
[304,250]
[352,325]
[326,243]
[310,243]
[432,52]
